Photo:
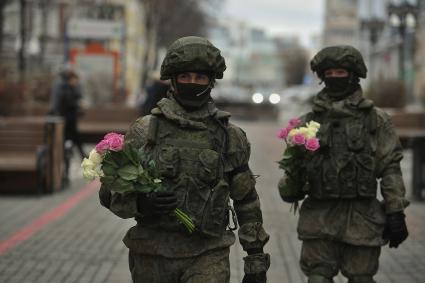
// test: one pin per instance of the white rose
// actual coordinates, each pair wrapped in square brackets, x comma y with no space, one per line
[313,124]
[90,174]
[87,164]
[95,157]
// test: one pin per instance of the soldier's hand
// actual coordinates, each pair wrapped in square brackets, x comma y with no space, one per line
[256,265]
[157,203]
[395,229]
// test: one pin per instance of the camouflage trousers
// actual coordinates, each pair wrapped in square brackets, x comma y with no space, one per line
[210,267]
[325,258]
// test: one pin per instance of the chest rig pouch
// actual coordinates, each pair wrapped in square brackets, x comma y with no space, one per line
[190,162]
[344,166]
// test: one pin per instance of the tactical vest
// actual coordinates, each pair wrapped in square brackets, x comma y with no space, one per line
[344,166]
[191,164]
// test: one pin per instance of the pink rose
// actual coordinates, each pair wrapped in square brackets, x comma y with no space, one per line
[298,139]
[102,146]
[294,122]
[312,144]
[283,133]
[116,142]
[110,135]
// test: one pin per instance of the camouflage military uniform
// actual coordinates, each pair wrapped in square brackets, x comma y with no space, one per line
[203,159]
[341,221]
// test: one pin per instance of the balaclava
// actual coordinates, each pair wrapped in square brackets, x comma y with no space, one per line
[340,87]
[192,96]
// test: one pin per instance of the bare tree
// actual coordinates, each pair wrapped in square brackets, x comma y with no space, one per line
[295,61]
[3,4]
[167,20]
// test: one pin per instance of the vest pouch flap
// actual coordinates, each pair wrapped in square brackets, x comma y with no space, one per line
[366,175]
[196,200]
[347,179]
[330,185]
[215,217]
[207,170]
[355,135]
[169,158]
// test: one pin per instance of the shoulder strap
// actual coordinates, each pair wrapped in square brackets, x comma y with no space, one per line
[223,116]
[372,120]
[152,130]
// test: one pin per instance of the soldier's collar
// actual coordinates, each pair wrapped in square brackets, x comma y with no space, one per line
[322,102]
[175,112]
[356,100]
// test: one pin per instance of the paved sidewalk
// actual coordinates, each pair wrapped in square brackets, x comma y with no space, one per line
[84,244]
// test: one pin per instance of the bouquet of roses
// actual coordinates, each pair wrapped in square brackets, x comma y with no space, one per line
[123,169]
[300,142]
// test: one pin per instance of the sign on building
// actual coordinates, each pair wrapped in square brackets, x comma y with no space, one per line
[94,29]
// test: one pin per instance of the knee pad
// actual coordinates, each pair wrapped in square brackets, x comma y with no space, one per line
[361,279]
[319,279]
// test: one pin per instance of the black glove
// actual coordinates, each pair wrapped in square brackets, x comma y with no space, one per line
[395,229]
[255,278]
[156,203]
[256,265]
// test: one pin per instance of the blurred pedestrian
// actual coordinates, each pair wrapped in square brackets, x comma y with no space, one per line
[155,91]
[65,101]
[342,224]
[69,106]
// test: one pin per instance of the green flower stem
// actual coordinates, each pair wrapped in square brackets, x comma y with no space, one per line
[185,220]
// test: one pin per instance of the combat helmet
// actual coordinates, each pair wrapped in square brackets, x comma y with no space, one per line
[339,56]
[194,54]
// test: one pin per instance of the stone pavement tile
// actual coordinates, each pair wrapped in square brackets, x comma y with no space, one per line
[103,272]
[77,270]
[63,271]
[285,258]
[236,263]
[49,272]
[88,274]
[120,272]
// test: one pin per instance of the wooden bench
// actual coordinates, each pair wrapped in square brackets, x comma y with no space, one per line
[98,121]
[31,154]
[410,127]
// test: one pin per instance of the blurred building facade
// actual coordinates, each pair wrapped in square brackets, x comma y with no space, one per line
[391,36]
[377,40]
[340,22]
[102,40]
[251,55]
[420,55]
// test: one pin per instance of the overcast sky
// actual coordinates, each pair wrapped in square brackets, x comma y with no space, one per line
[299,17]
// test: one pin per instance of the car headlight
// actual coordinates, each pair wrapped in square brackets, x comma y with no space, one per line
[274,98]
[257,98]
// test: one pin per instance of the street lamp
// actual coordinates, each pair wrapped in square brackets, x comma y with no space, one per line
[374,26]
[372,22]
[403,18]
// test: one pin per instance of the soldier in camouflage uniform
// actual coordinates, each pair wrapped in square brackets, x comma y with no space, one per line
[203,160]
[342,224]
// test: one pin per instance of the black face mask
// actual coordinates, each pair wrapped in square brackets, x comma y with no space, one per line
[192,96]
[337,84]
[340,88]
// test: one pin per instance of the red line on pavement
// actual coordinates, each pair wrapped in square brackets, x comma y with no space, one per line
[46,218]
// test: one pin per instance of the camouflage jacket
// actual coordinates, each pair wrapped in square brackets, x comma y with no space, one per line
[159,236]
[359,146]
